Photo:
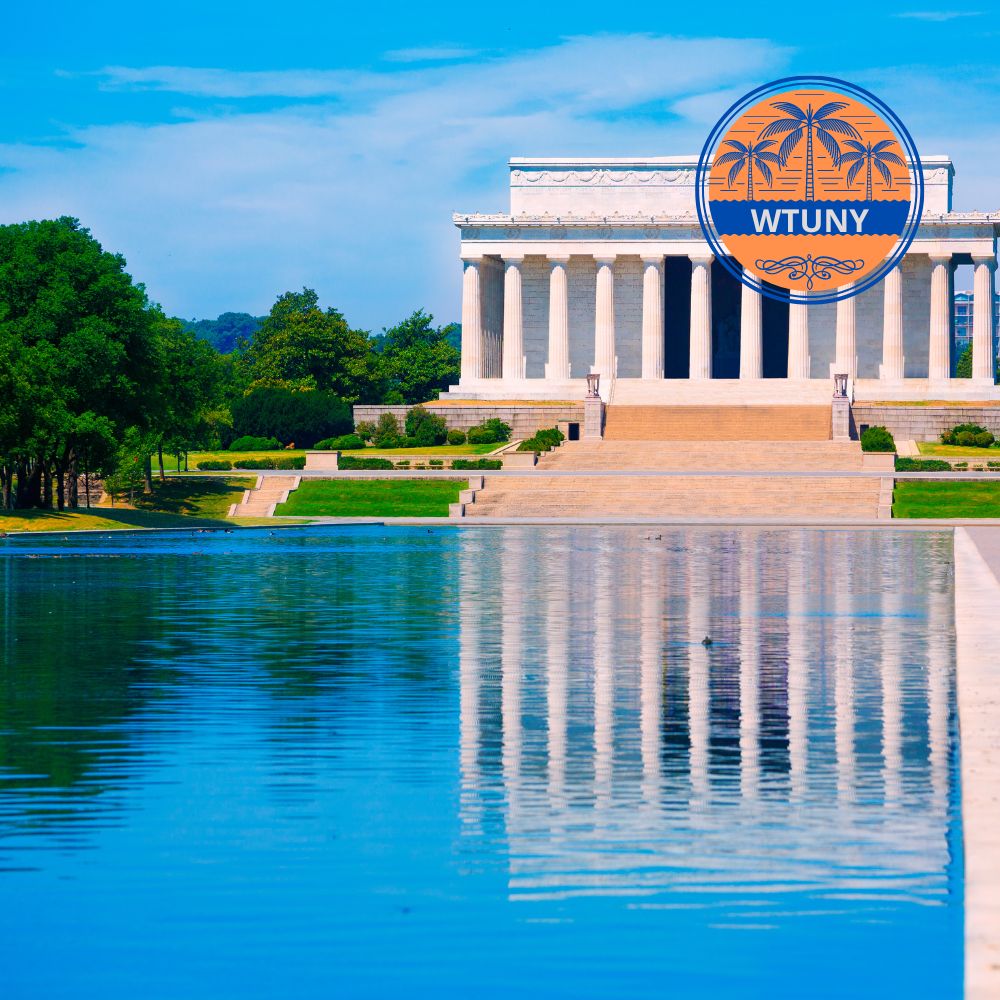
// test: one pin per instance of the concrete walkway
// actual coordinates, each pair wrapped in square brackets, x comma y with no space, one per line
[977,630]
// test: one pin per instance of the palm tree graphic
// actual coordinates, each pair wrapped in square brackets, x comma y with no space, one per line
[861,154]
[746,155]
[809,122]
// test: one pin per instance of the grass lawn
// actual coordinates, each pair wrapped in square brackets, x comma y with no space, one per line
[170,461]
[932,498]
[177,503]
[373,498]
[934,449]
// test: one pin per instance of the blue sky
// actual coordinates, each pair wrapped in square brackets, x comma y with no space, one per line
[232,151]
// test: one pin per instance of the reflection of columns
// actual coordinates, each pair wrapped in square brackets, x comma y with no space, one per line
[652,317]
[513,583]
[651,676]
[701,317]
[604,319]
[604,585]
[699,727]
[983,351]
[798,667]
[513,320]
[892,676]
[749,668]
[469,673]
[846,351]
[557,693]
[557,367]
[798,340]
[939,364]
[472,319]
[843,657]
[893,362]
[940,656]
[751,335]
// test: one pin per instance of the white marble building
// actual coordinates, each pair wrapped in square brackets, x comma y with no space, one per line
[601,266]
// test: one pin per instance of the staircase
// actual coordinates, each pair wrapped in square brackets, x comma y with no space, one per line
[718,423]
[689,497]
[265,496]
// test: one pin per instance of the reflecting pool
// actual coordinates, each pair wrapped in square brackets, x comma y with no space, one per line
[487,762]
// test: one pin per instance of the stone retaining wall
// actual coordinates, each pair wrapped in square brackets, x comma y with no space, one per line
[524,420]
[925,423]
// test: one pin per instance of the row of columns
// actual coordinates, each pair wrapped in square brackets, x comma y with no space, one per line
[557,368]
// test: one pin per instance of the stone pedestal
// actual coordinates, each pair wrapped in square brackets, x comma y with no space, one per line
[593,418]
[841,418]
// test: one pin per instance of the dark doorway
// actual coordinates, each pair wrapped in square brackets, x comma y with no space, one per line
[774,335]
[677,317]
[726,296]
[574,432]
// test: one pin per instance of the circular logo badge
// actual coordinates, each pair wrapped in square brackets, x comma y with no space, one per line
[809,189]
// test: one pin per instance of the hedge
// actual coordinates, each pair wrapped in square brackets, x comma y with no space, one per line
[352,462]
[922,465]
[346,442]
[250,443]
[544,440]
[271,463]
[477,463]
[214,466]
[877,439]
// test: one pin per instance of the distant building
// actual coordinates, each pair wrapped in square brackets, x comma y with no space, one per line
[963,323]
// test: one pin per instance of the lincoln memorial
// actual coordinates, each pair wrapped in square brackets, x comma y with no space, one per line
[600,266]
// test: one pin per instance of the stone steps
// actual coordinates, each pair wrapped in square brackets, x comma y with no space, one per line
[682,496]
[709,456]
[717,423]
[265,496]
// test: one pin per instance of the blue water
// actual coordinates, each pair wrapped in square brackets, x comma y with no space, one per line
[489,762]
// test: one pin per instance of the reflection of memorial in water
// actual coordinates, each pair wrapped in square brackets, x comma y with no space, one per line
[807,745]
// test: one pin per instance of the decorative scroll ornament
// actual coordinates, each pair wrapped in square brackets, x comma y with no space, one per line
[811,268]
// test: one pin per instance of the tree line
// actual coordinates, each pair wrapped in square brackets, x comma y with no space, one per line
[96,379]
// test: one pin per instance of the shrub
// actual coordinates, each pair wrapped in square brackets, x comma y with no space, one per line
[498,427]
[291,462]
[354,462]
[877,439]
[435,463]
[922,465]
[993,465]
[405,464]
[346,442]
[249,443]
[456,436]
[302,416]
[387,433]
[365,430]
[214,466]
[965,438]
[960,465]
[984,439]
[425,428]
[477,463]
[254,463]
[544,440]
[480,435]
[947,437]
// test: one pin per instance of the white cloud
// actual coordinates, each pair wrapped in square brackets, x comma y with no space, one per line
[353,196]
[439,53]
[937,16]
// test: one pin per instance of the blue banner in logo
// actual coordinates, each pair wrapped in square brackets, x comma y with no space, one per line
[805,218]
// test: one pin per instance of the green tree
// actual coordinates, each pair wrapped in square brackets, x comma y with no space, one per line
[963,367]
[417,360]
[300,346]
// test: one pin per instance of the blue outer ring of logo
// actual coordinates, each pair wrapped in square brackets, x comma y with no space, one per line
[780,294]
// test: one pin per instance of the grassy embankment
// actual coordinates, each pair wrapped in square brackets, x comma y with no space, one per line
[934,450]
[442,450]
[942,499]
[179,503]
[372,498]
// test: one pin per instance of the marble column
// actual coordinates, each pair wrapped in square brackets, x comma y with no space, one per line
[846,349]
[701,317]
[652,317]
[472,319]
[939,352]
[513,319]
[983,346]
[798,340]
[557,366]
[893,363]
[751,335]
[604,319]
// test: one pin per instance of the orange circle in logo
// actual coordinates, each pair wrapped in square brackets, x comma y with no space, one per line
[809,188]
